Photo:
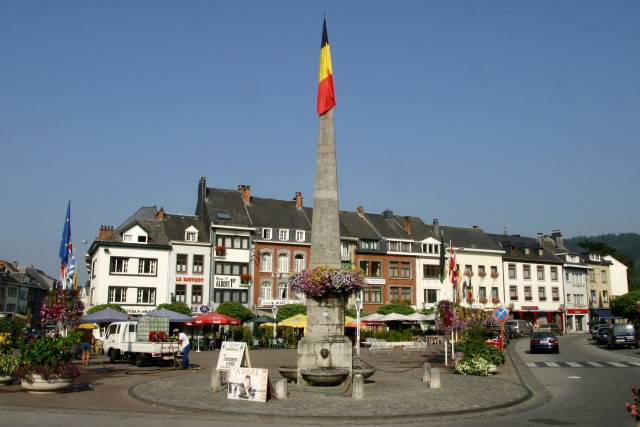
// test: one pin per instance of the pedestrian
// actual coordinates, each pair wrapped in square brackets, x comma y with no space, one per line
[87,340]
[185,346]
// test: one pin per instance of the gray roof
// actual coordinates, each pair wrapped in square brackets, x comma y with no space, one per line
[355,226]
[222,204]
[387,225]
[277,213]
[154,228]
[471,238]
[175,226]
[515,245]
[142,214]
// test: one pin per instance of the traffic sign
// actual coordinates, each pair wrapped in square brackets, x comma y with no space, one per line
[501,314]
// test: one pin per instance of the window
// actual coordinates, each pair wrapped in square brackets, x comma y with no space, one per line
[513,293]
[494,269]
[265,262]
[578,299]
[605,296]
[376,294]
[147,266]
[196,295]
[555,293]
[198,264]
[283,235]
[393,269]
[369,244]
[405,247]
[394,295]
[11,308]
[12,292]
[117,295]
[540,270]
[231,268]
[283,262]
[526,271]
[603,274]
[592,276]
[494,293]
[394,246]
[527,251]
[430,271]
[224,295]
[265,291]
[300,235]
[126,238]
[481,271]
[512,271]
[431,295]
[181,263]
[365,295]
[232,242]
[93,268]
[371,268]
[468,268]
[344,251]
[593,296]
[430,248]
[191,236]
[569,298]
[181,293]
[266,233]
[298,263]
[146,296]
[1,293]
[405,270]
[405,295]
[554,273]
[527,293]
[142,239]
[118,265]
[482,292]
[542,293]
[24,294]
[282,290]
[400,295]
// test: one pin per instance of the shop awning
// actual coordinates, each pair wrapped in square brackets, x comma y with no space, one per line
[602,313]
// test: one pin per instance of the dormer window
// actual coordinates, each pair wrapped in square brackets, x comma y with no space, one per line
[191,234]
[540,252]
[300,235]
[266,233]
[527,251]
[142,239]
[127,238]
[283,235]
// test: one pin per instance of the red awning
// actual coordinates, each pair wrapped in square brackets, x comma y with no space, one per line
[213,319]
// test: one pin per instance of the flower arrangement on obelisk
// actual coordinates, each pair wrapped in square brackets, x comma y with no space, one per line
[324,282]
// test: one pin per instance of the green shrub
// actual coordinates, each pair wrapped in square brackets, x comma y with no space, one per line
[351,312]
[405,309]
[241,334]
[178,307]
[473,366]
[101,307]
[391,336]
[236,310]
[472,348]
[289,310]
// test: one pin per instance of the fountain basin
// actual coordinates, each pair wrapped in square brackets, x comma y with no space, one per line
[365,372]
[325,377]
[289,373]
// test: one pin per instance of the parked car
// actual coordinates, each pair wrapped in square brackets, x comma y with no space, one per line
[555,328]
[602,336]
[494,339]
[510,332]
[545,341]
[621,334]
[596,328]
[521,327]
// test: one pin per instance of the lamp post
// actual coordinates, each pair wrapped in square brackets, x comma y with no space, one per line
[274,310]
[358,308]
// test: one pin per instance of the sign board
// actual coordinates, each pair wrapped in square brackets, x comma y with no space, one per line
[204,309]
[500,315]
[233,355]
[248,384]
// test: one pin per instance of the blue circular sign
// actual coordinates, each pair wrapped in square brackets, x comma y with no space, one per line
[204,309]
[501,314]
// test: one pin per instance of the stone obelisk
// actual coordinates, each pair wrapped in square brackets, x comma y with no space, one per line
[325,345]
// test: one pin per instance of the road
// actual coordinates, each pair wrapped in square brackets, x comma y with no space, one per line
[584,394]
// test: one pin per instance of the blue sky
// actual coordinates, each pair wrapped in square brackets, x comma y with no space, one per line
[472,112]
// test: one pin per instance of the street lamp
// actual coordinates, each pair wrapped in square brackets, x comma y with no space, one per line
[274,310]
[358,308]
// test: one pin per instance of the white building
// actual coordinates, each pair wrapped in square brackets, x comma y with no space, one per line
[618,276]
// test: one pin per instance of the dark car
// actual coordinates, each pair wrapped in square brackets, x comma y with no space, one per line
[622,335]
[544,341]
[596,328]
[510,332]
[555,328]
[602,336]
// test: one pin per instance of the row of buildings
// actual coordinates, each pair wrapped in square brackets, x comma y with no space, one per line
[238,247]
[23,290]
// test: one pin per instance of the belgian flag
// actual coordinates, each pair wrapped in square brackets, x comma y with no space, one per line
[326,93]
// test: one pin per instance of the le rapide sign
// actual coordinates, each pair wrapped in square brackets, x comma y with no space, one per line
[233,355]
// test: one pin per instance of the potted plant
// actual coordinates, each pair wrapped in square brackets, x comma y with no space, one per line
[468,273]
[482,274]
[331,285]
[482,300]
[46,363]
[8,361]
[494,275]
[632,407]
[245,278]
[495,300]
[221,250]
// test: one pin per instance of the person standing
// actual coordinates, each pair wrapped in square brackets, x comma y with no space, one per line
[87,339]
[185,346]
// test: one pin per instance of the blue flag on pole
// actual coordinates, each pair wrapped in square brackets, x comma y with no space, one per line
[65,244]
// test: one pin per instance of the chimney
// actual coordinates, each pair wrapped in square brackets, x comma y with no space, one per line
[2,266]
[15,264]
[105,232]
[540,237]
[298,199]
[476,227]
[202,193]
[407,224]
[388,213]
[436,228]
[246,193]
[160,214]
[557,238]
[360,211]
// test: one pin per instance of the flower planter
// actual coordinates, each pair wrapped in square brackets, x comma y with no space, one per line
[39,385]
[6,379]
[493,369]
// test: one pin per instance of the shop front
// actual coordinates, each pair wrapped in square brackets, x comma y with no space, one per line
[533,314]
[577,319]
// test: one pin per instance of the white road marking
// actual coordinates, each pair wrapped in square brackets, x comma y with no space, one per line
[617,364]
[551,364]
[634,363]
[532,365]
[574,364]
[575,378]
[595,364]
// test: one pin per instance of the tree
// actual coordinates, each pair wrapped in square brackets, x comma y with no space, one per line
[101,307]
[625,305]
[62,308]
[178,307]
[290,310]
[351,312]
[236,310]
[402,308]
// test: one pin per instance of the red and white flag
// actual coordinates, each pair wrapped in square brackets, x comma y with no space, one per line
[453,268]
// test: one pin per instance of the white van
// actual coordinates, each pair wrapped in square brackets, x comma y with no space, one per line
[520,327]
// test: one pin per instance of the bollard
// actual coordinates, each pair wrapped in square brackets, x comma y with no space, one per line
[434,381]
[281,389]
[216,380]
[426,373]
[358,387]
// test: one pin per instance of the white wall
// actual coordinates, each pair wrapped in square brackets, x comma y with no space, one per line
[543,305]
[619,280]
[190,278]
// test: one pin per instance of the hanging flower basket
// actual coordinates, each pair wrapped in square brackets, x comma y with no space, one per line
[495,275]
[245,278]
[482,300]
[221,250]
[495,300]
[468,273]
[323,282]
[482,274]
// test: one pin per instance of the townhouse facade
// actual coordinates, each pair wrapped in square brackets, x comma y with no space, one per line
[618,276]
[23,290]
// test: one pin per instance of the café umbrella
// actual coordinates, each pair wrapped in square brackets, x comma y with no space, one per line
[173,316]
[213,319]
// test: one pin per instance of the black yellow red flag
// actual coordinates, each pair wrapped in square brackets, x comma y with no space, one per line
[326,93]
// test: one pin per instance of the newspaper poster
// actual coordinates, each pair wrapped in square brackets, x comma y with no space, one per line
[248,384]
[233,355]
